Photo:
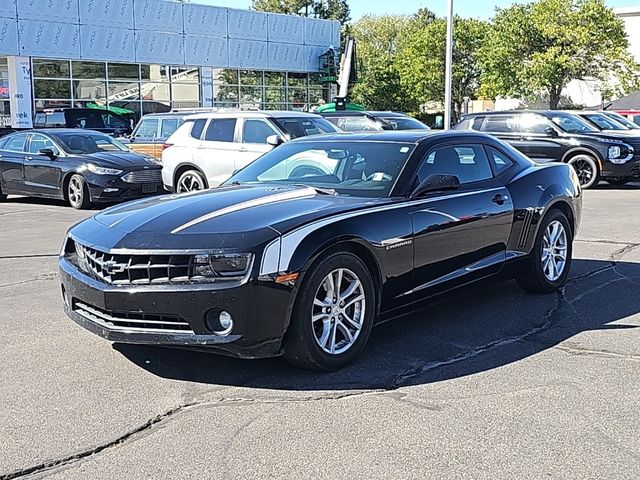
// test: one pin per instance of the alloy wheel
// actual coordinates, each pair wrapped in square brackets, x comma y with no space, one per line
[190,182]
[554,251]
[586,170]
[338,311]
[76,191]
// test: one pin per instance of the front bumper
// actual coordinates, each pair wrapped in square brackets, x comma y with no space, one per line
[628,169]
[111,188]
[260,310]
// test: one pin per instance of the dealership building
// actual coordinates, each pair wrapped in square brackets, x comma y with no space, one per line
[143,56]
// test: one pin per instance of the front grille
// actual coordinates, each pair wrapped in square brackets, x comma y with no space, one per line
[133,321]
[143,176]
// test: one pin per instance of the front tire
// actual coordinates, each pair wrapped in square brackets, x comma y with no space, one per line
[190,181]
[586,166]
[78,192]
[547,267]
[333,314]
[3,196]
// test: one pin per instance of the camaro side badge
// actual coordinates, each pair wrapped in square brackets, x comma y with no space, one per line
[404,243]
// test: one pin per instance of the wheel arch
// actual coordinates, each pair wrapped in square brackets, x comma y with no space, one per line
[183,167]
[582,150]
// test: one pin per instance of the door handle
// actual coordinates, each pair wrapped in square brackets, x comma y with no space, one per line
[28,158]
[500,199]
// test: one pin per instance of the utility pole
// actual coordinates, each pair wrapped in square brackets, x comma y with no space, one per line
[449,67]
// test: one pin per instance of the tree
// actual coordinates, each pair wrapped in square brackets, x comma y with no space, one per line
[379,84]
[327,9]
[422,60]
[538,48]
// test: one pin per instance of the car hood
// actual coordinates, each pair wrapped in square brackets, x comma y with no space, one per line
[619,135]
[240,217]
[126,160]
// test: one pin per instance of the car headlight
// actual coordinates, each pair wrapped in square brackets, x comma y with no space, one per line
[222,266]
[102,170]
[619,153]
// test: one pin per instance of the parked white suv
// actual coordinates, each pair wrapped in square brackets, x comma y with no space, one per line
[209,147]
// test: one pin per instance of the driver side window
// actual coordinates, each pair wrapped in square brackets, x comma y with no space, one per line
[468,162]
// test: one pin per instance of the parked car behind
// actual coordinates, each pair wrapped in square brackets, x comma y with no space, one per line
[357,121]
[631,121]
[88,118]
[554,136]
[79,166]
[603,122]
[209,147]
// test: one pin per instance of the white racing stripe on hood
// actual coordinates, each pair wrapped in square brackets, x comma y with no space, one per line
[269,199]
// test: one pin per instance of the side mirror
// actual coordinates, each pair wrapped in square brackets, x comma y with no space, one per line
[47,152]
[436,182]
[550,132]
[275,140]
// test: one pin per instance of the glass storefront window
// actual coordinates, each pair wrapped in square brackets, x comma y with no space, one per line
[185,92]
[156,91]
[52,88]
[119,91]
[88,70]
[250,77]
[225,76]
[155,107]
[185,74]
[123,71]
[274,79]
[44,104]
[154,73]
[226,93]
[275,95]
[251,94]
[89,90]
[51,68]
[297,79]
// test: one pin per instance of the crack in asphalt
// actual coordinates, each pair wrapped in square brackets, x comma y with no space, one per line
[45,277]
[402,379]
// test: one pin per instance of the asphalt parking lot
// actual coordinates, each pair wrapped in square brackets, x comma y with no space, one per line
[491,383]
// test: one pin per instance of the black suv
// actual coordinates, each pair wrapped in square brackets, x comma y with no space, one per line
[89,118]
[554,136]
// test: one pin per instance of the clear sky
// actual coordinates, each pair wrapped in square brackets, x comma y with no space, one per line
[464,8]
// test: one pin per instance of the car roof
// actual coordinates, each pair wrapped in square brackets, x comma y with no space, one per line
[514,112]
[57,131]
[168,114]
[255,114]
[400,136]
[359,113]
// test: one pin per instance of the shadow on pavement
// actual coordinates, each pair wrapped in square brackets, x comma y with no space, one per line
[475,330]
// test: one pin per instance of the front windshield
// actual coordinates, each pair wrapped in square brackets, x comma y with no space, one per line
[83,143]
[301,127]
[571,123]
[405,123]
[603,122]
[623,120]
[357,168]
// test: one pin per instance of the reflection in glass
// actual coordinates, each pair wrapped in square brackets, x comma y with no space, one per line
[124,91]
[123,71]
[50,68]
[89,90]
[225,76]
[297,79]
[155,91]
[88,70]
[250,77]
[154,73]
[275,95]
[274,79]
[52,88]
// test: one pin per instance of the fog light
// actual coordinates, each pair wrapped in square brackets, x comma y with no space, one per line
[111,190]
[220,322]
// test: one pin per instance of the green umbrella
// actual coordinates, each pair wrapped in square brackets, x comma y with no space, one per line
[118,110]
[331,107]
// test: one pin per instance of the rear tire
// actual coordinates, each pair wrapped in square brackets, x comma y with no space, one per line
[3,196]
[190,181]
[586,167]
[333,314]
[78,192]
[547,267]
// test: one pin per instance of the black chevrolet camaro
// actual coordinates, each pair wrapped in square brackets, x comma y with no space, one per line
[304,250]
[79,166]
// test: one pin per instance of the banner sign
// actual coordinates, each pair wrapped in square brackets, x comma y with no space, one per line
[247,25]
[285,28]
[205,20]
[20,99]
[206,84]
[116,13]
[158,16]
[49,39]
[107,43]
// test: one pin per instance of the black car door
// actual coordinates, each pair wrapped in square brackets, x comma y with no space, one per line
[42,174]
[461,234]
[540,140]
[12,156]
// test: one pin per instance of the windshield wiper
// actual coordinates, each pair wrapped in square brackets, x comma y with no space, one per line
[320,190]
